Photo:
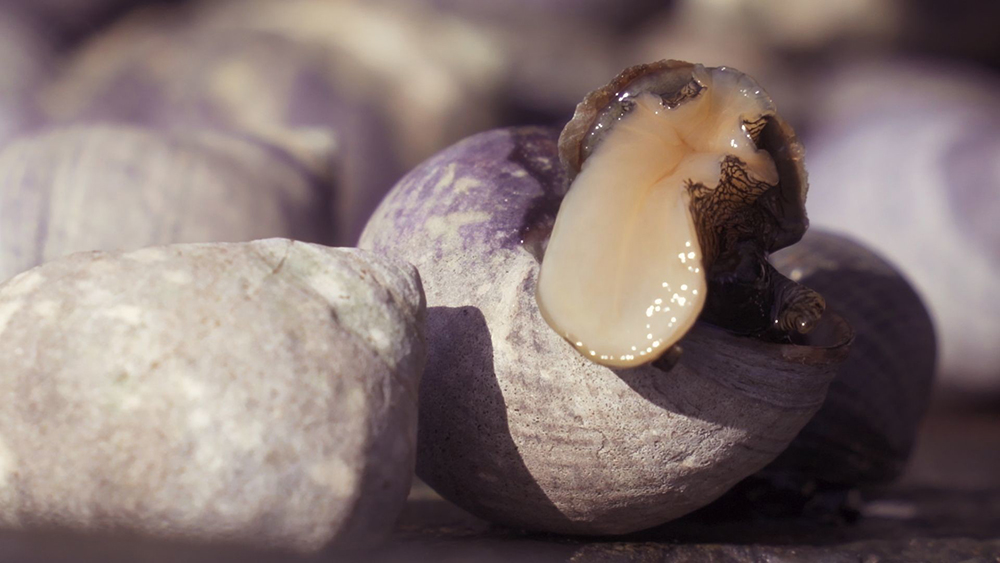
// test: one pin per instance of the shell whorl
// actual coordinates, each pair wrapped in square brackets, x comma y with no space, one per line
[865,430]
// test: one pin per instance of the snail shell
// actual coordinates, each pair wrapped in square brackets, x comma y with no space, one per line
[866,428]
[515,425]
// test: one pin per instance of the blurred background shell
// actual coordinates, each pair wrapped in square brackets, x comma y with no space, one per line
[435,78]
[26,58]
[156,69]
[607,14]
[904,158]
[66,21]
[116,187]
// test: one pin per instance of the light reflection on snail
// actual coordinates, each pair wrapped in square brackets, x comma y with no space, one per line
[684,179]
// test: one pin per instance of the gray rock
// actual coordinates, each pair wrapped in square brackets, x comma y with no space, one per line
[116,187]
[262,394]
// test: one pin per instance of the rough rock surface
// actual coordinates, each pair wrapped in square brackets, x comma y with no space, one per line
[262,394]
[113,187]
[515,425]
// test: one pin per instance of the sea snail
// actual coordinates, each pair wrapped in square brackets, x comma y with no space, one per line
[515,425]
[684,178]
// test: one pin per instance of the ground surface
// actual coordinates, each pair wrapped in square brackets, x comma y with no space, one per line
[946,509]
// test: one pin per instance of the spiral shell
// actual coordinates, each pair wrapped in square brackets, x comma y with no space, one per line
[515,425]
[866,428]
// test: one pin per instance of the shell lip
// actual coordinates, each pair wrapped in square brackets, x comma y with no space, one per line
[573,136]
[829,343]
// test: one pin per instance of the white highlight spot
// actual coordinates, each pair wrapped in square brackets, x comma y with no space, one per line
[24,283]
[179,277]
[7,311]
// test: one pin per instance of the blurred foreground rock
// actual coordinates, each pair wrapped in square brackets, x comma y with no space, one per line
[947,510]
[259,394]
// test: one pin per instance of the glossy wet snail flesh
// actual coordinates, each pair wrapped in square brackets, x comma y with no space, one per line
[684,178]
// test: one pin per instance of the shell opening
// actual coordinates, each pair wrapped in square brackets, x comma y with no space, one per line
[624,273]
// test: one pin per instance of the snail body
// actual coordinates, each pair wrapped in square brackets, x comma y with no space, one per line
[683,179]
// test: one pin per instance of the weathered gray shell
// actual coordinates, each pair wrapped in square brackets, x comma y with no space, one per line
[515,425]
[866,428]
[115,187]
[159,69]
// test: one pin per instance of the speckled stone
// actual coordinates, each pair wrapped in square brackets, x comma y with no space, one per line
[520,429]
[262,394]
[116,187]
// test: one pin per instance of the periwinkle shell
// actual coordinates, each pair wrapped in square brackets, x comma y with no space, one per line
[866,429]
[159,69]
[114,187]
[518,428]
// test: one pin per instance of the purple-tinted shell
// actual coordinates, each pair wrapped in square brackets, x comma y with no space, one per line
[524,193]
[865,431]
[27,57]
[162,72]
[519,428]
